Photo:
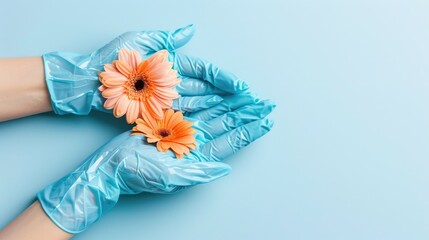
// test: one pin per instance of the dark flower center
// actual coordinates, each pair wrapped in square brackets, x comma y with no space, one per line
[164,132]
[139,85]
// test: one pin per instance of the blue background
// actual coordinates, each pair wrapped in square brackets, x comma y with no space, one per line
[348,157]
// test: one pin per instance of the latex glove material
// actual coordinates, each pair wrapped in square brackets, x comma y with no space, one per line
[220,137]
[229,103]
[72,79]
[125,165]
[129,165]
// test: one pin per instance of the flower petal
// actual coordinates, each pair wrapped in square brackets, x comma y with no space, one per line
[144,129]
[121,106]
[178,148]
[162,146]
[135,133]
[167,93]
[167,117]
[164,102]
[166,82]
[123,68]
[140,121]
[110,68]
[112,92]
[132,112]
[112,79]
[155,107]
[142,109]
[147,117]
[175,119]
[131,57]
[160,70]
[158,146]
[134,59]
[181,126]
[187,139]
[152,140]
[183,133]
[123,55]
[110,102]
[141,69]
[157,58]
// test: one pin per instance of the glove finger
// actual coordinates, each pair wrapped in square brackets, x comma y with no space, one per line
[197,68]
[235,119]
[184,173]
[194,87]
[230,103]
[232,141]
[152,41]
[196,103]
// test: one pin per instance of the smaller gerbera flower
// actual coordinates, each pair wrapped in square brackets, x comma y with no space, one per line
[135,87]
[170,132]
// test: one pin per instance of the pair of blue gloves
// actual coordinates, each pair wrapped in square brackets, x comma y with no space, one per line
[225,114]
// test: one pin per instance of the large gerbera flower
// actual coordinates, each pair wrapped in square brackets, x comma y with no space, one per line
[170,132]
[135,87]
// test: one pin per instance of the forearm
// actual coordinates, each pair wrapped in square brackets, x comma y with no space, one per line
[23,90]
[33,223]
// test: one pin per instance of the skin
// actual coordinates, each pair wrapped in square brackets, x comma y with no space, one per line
[23,92]
[33,223]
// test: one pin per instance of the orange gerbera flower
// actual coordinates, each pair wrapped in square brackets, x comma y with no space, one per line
[134,87]
[170,132]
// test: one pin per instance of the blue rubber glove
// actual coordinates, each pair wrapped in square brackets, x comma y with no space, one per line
[72,79]
[129,165]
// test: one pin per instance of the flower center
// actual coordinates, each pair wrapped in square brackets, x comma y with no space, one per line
[164,132]
[138,87]
[139,84]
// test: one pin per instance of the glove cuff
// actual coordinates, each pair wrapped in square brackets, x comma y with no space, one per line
[72,83]
[76,201]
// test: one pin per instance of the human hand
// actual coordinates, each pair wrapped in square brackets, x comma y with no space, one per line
[129,165]
[72,79]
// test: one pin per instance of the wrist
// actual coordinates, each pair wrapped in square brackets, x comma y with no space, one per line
[34,224]
[72,82]
[76,201]
[22,88]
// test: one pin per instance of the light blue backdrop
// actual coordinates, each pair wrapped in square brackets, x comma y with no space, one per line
[348,157]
